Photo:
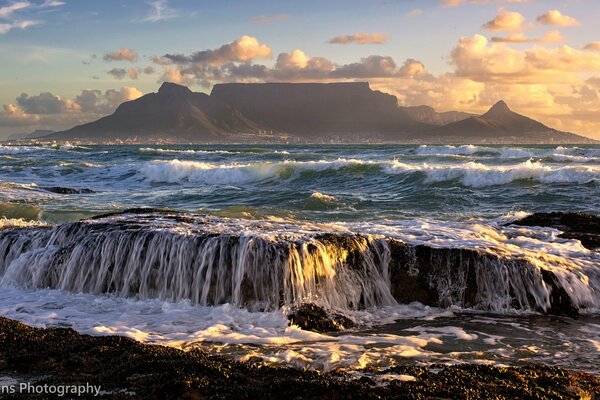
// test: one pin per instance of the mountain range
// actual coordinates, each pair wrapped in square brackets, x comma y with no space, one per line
[311,112]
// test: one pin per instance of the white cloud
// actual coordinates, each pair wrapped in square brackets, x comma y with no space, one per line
[9,21]
[555,17]
[160,11]
[505,21]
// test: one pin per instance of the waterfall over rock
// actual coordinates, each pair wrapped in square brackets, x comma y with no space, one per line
[263,265]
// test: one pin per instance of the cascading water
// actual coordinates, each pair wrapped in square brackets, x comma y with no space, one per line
[262,267]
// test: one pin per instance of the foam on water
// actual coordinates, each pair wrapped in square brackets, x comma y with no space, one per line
[188,151]
[209,173]
[479,175]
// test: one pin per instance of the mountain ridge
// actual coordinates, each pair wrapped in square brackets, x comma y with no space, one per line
[312,112]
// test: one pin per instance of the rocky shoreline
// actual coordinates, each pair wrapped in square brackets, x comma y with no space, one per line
[126,369]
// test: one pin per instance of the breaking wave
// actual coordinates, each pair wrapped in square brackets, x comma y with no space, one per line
[175,151]
[478,175]
[173,171]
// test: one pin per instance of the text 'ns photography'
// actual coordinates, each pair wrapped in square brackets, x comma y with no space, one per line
[261,199]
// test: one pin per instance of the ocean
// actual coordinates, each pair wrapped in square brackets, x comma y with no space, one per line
[248,232]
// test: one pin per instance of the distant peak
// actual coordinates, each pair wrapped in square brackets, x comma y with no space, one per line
[500,106]
[169,87]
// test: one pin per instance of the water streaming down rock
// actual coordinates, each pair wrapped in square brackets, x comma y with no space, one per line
[263,265]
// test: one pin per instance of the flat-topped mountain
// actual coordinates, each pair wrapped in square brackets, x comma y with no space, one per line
[501,123]
[175,111]
[345,112]
[313,109]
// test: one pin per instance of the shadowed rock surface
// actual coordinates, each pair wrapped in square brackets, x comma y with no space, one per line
[66,190]
[580,226]
[126,369]
[314,318]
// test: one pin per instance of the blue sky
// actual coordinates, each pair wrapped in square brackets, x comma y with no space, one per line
[59,47]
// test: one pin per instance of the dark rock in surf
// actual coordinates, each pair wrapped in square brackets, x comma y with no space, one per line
[126,369]
[315,318]
[575,225]
[66,190]
[144,253]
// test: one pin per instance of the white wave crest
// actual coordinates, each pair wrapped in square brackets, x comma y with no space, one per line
[18,223]
[159,150]
[322,197]
[174,171]
[478,175]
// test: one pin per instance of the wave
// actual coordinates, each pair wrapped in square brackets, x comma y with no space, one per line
[475,174]
[469,150]
[322,197]
[175,171]
[6,223]
[175,151]
[21,149]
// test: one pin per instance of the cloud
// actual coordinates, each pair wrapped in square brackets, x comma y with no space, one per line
[93,101]
[594,46]
[175,75]
[122,54]
[12,22]
[118,73]
[361,38]
[505,21]
[549,37]
[412,68]
[132,73]
[11,116]
[416,12]
[44,103]
[244,49]
[50,111]
[476,59]
[555,17]
[6,27]
[160,11]
[265,20]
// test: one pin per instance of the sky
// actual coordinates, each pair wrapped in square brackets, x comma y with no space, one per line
[65,62]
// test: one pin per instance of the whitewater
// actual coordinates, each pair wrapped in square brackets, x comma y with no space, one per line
[412,243]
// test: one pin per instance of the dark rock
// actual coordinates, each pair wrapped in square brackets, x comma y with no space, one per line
[65,190]
[126,369]
[315,318]
[575,225]
[560,302]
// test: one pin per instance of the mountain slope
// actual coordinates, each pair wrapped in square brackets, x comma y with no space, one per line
[174,112]
[501,124]
[313,109]
[428,115]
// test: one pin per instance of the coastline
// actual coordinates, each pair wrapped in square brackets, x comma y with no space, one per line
[127,369]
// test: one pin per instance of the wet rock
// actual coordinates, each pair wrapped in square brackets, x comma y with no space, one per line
[575,225]
[560,301]
[65,190]
[315,318]
[126,369]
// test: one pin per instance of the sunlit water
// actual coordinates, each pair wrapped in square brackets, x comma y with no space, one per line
[437,195]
